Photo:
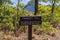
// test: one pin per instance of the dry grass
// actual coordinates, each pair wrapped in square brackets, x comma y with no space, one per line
[24,36]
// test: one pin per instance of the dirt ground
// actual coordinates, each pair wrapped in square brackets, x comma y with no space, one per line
[24,36]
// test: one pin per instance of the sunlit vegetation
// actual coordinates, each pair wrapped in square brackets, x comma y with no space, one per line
[9,16]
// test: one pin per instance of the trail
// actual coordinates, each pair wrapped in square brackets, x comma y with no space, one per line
[24,36]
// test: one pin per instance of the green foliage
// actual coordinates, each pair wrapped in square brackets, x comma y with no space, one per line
[47,19]
[11,17]
[47,27]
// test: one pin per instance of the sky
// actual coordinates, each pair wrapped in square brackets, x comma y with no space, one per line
[23,1]
[26,1]
[31,8]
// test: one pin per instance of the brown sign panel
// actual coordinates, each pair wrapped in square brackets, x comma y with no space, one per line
[30,20]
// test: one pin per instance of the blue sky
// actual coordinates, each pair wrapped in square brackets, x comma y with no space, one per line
[23,1]
[26,1]
[31,7]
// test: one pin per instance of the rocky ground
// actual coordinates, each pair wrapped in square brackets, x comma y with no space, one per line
[24,36]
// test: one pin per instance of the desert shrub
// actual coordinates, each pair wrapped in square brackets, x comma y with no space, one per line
[46,27]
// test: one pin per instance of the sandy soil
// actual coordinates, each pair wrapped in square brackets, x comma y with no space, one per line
[24,36]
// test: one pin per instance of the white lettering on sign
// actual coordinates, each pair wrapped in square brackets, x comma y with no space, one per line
[30,20]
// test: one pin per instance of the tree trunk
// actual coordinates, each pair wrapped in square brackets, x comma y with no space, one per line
[53,5]
[36,7]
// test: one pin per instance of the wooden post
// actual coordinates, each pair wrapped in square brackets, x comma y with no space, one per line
[29,32]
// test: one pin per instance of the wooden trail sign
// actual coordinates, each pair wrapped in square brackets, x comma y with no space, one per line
[30,20]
